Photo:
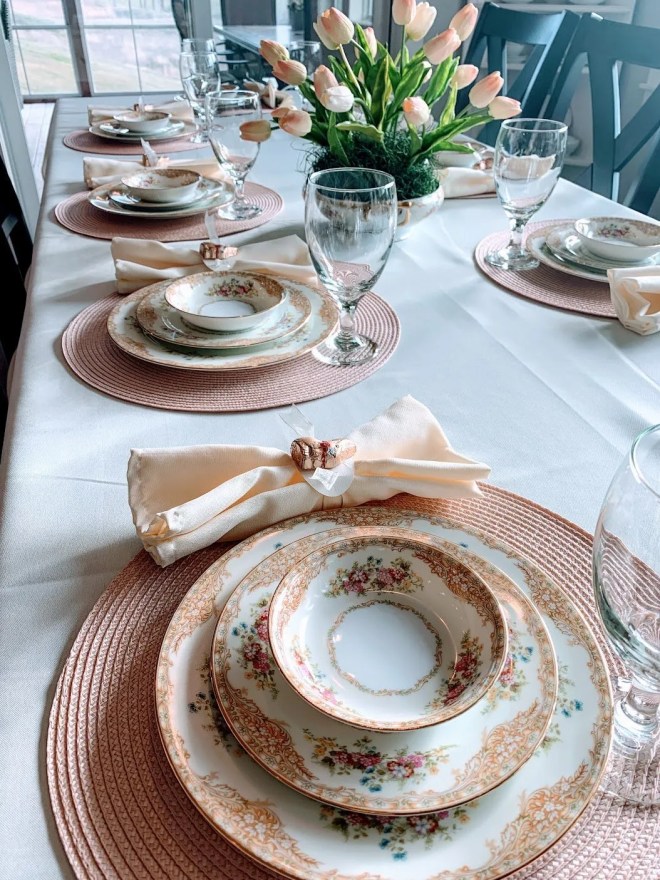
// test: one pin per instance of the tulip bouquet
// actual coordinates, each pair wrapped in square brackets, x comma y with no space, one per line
[391,114]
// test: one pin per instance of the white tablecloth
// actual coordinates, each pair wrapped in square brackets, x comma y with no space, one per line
[551,400]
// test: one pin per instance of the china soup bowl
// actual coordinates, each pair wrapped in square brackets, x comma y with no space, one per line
[163,185]
[143,122]
[619,239]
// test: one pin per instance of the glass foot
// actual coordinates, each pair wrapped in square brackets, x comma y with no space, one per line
[362,351]
[238,211]
[511,258]
[199,138]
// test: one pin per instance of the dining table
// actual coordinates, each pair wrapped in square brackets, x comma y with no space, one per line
[550,399]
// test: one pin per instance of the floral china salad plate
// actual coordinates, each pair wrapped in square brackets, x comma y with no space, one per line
[125,331]
[410,772]
[386,632]
[485,839]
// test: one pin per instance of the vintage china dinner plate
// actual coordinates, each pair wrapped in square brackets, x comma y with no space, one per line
[410,772]
[157,318]
[125,331]
[206,189]
[536,245]
[102,198]
[486,839]
[386,632]
[174,131]
[565,243]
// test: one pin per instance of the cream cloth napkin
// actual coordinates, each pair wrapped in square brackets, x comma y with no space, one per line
[139,262]
[461,182]
[97,171]
[187,498]
[635,294]
[179,110]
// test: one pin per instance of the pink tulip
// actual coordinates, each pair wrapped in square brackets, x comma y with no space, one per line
[441,47]
[334,29]
[324,79]
[258,130]
[273,52]
[504,108]
[465,75]
[421,24]
[485,90]
[291,72]
[337,99]
[416,111]
[403,11]
[370,37]
[464,21]
[296,122]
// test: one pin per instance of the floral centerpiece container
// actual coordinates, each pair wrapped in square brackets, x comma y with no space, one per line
[389,113]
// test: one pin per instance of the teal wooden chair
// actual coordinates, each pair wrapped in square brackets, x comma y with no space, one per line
[604,45]
[548,35]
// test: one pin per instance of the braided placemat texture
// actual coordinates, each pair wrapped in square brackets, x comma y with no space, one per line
[546,285]
[77,214]
[86,142]
[117,804]
[94,358]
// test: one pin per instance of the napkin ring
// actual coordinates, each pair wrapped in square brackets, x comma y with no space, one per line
[211,251]
[308,453]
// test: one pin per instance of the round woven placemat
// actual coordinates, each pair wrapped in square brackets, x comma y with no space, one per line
[77,214]
[118,806]
[93,357]
[86,142]
[546,285]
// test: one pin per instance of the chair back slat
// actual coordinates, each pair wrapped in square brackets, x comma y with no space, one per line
[605,105]
[644,192]
[15,259]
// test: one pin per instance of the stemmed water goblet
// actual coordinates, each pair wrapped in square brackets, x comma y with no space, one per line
[626,567]
[200,77]
[227,112]
[529,154]
[350,220]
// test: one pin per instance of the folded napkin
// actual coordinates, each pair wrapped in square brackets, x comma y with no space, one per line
[635,296]
[139,262]
[98,171]
[460,182]
[179,110]
[188,498]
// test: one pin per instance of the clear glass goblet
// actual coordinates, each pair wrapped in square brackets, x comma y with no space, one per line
[227,113]
[200,77]
[529,154]
[350,220]
[626,566]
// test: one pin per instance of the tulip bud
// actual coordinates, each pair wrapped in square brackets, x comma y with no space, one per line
[324,79]
[485,90]
[465,75]
[370,37]
[504,108]
[296,122]
[421,24]
[291,72]
[403,11]
[334,28]
[337,99]
[441,47]
[416,111]
[257,131]
[273,52]
[464,21]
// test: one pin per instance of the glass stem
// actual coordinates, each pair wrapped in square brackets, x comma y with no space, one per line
[239,186]
[640,707]
[517,226]
[346,336]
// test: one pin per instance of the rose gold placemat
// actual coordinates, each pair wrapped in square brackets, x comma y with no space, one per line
[93,357]
[78,215]
[547,285]
[118,807]
[86,142]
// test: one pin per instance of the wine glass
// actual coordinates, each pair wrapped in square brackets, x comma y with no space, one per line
[350,220]
[227,112]
[626,566]
[529,154]
[200,76]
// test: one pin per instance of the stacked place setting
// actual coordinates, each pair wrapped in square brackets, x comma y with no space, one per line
[419,701]
[131,126]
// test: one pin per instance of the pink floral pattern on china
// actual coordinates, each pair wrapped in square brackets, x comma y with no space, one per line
[163,178]
[373,575]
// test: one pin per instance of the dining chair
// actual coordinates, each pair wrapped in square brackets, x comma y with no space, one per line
[547,34]
[605,45]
